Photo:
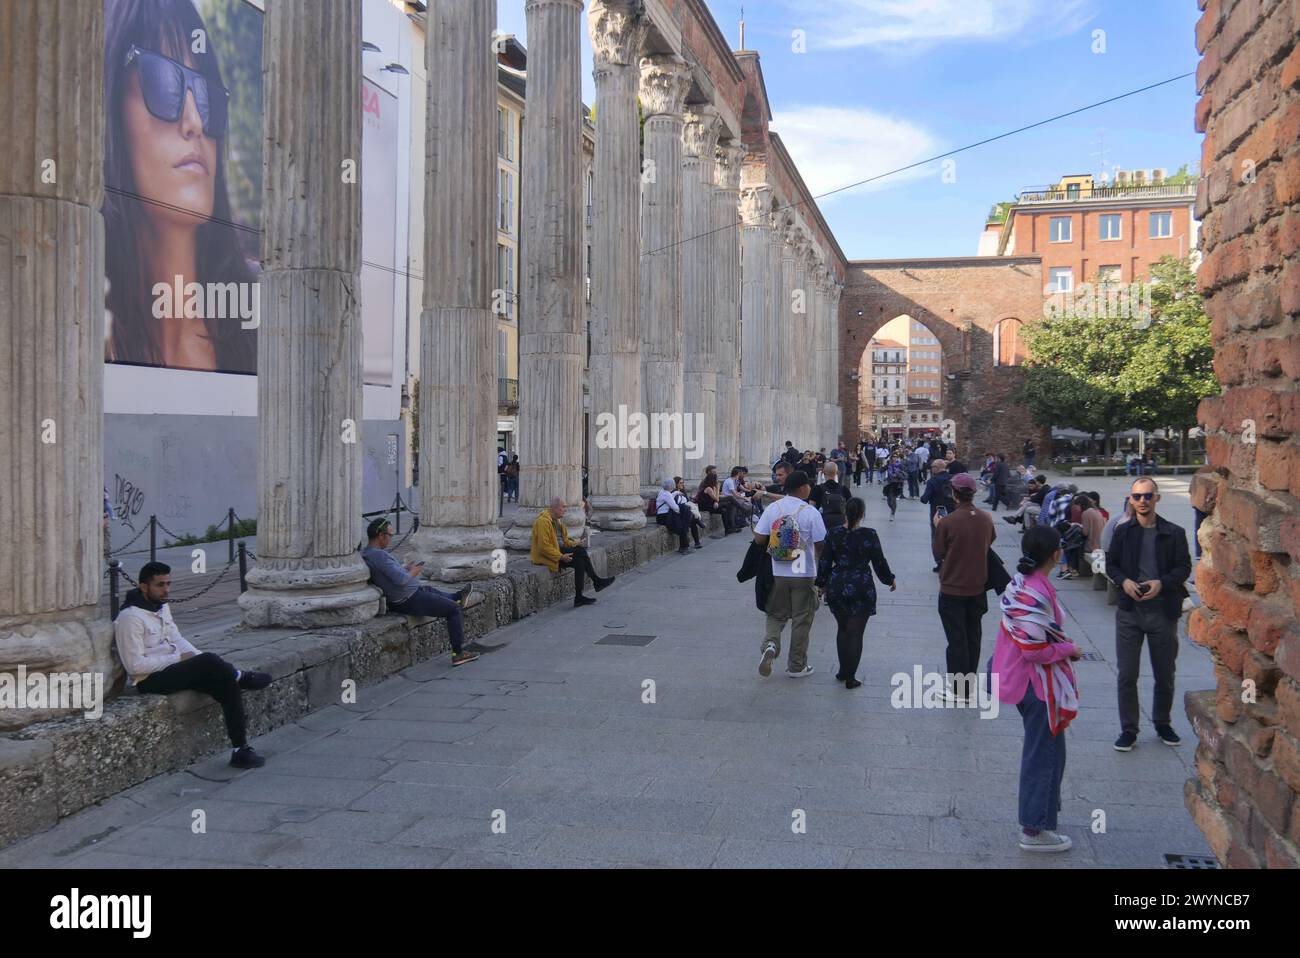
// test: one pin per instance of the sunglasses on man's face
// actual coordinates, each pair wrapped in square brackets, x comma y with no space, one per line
[164,83]
[1142,496]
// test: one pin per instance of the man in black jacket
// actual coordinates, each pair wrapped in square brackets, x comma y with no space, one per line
[1148,560]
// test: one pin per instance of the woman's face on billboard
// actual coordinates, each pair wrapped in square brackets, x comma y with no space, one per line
[174,163]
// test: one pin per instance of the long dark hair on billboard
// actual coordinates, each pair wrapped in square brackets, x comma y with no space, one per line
[166,206]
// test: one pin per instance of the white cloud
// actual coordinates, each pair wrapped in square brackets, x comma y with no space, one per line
[835,146]
[924,23]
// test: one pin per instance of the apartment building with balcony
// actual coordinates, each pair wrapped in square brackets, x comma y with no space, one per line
[1087,229]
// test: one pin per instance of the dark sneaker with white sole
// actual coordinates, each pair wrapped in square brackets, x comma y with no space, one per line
[765,664]
[1168,735]
[254,681]
[1125,742]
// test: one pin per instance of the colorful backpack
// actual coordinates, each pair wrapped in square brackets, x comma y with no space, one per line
[783,542]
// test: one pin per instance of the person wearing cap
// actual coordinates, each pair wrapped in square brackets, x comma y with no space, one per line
[401,587]
[961,546]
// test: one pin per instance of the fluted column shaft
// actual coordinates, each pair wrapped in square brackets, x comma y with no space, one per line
[614,375]
[757,416]
[664,83]
[309,342]
[552,340]
[458,399]
[700,357]
[786,382]
[51,340]
[725,302]
[837,412]
[776,312]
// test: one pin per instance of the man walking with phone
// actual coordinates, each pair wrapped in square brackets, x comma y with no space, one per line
[1148,560]
[401,587]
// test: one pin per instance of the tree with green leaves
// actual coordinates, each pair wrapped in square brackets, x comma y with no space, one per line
[1099,371]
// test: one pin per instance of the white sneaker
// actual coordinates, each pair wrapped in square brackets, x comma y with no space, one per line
[765,663]
[1045,841]
[807,670]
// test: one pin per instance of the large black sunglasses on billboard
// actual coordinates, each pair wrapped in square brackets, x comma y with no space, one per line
[164,83]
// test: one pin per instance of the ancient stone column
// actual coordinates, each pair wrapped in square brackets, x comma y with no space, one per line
[552,340]
[665,81]
[700,129]
[52,342]
[826,347]
[614,375]
[837,412]
[725,302]
[778,308]
[803,340]
[458,396]
[757,413]
[308,571]
[791,373]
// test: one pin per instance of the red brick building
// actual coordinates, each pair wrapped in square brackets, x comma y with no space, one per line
[1085,230]
[1246,793]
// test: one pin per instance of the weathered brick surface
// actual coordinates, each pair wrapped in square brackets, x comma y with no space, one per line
[961,301]
[1248,764]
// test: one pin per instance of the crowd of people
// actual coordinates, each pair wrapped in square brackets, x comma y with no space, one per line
[810,545]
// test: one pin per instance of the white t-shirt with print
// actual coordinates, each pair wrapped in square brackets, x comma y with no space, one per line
[811,531]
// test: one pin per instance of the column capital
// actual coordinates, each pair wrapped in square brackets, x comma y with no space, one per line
[617,32]
[726,169]
[756,205]
[665,81]
[700,131]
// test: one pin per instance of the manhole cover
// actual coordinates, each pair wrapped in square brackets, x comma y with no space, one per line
[1190,861]
[638,640]
[512,687]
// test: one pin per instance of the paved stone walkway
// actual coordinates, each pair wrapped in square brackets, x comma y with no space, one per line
[549,735]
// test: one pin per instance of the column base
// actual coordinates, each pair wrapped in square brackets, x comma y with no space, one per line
[457,553]
[309,593]
[617,513]
[71,641]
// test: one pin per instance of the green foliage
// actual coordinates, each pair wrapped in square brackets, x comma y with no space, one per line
[1109,373]
[235,34]
[214,533]
[1182,177]
[998,212]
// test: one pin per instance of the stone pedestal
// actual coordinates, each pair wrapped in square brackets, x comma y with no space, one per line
[52,342]
[614,373]
[309,572]
[665,81]
[552,341]
[458,534]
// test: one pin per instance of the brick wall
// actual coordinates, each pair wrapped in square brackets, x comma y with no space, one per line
[961,301]
[1244,795]
[1086,253]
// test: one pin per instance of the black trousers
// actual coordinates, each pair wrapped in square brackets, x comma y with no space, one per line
[673,522]
[961,617]
[848,642]
[210,674]
[581,566]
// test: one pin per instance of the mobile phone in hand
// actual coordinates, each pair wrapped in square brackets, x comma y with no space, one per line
[1144,588]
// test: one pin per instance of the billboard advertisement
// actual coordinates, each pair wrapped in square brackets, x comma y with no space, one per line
[183,190]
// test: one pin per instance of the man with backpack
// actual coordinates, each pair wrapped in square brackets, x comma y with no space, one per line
[793,532]
[830,498]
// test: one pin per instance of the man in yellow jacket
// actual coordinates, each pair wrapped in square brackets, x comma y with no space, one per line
[552,547]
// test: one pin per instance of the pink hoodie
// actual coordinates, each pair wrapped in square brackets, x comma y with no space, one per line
[1014,667]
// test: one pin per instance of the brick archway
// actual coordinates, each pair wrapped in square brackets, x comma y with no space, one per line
[961,301]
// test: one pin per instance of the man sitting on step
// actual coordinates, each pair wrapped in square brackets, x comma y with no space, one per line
[552,547]
[401,587]
[160,661]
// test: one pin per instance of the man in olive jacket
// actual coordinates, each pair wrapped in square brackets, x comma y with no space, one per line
[1148,560]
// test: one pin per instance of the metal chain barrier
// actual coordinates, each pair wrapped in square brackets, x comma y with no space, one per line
[207,588]
[398,543]
[123,548]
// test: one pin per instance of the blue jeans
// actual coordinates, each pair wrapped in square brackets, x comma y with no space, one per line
[1042,765]
[433,602]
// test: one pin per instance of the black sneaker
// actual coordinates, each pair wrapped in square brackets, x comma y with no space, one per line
[246,758]
[1168,735]
[462,596]
[1125,742]
[1011,519]
[254,681]
[581,600]
[605,583]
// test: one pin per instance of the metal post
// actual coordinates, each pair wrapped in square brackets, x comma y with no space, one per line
[114,567]
[397,511]
[243,568]
[230,527]
[153,538]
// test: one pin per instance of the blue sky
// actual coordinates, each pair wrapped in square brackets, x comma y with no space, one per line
[884,83]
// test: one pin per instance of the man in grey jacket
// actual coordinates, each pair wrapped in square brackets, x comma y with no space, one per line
[160,661]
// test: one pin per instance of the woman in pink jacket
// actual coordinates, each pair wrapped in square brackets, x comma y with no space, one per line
[1032,664]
